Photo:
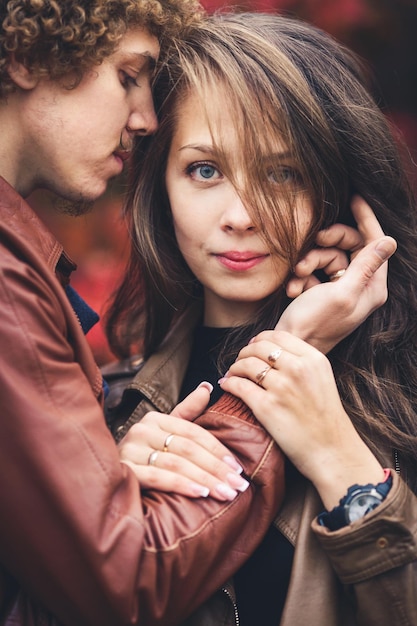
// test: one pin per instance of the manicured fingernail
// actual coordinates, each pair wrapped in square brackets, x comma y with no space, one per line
[199,490]
[233,464]
[237,482]
[226,492]
[251,340]
[206,385]
[221,380]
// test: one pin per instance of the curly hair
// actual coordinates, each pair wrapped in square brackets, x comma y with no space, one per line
[55,37]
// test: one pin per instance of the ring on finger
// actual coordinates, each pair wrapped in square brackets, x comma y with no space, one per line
[152,457]
[274,356]
[336,275]
[167,441]
[259,377]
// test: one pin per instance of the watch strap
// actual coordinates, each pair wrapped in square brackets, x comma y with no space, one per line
[336,518]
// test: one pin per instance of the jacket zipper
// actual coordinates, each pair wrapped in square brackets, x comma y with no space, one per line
[397,462]
[229,595]
[236,612]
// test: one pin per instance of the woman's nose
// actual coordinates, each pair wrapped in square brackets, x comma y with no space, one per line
[235,216]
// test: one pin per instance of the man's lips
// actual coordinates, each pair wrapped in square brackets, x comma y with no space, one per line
[124,155]
[240,261]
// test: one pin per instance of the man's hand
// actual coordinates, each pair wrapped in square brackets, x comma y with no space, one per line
[325,313]
[171,453]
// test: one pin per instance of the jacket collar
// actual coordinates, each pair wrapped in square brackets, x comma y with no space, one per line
[21,224]
[160,378]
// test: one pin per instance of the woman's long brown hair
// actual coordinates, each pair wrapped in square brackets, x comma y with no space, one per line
[283,77]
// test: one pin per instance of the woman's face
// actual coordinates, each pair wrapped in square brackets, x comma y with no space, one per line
[214,230]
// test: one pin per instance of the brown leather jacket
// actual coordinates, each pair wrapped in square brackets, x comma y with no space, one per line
[362,575]
[77,539]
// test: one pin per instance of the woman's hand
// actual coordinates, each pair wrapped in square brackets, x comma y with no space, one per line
[290,387]
[325,313]
[170,453]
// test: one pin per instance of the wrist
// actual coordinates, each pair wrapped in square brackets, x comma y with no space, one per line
[336,473]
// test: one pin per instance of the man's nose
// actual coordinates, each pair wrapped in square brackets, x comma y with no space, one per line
[143,119]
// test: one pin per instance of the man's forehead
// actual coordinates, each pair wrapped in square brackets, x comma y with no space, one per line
[138,45]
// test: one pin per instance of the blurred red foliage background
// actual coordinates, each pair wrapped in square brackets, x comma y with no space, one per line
[383,32]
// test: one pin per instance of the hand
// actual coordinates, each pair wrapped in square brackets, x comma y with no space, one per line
[297,401]
[195,463]
[326,313]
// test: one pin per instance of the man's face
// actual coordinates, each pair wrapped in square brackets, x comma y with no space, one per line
[72,137]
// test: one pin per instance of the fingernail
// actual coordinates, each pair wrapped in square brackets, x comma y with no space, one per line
[233,463]
[226,492]
[206,385]
[223,378]
[237,482]
[384,249]
[199,490]
[251,340]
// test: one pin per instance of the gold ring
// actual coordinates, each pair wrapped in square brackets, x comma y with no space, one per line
[274,356]
[259,377]
[152,457]
[167,442]
[336,275]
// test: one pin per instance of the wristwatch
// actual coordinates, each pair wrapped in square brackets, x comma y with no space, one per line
[359,500]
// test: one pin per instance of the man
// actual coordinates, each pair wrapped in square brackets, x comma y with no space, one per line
[78,541]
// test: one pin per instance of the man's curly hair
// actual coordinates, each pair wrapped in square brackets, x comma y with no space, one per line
[55,37]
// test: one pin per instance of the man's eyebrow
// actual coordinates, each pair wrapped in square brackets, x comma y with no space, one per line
[139,57]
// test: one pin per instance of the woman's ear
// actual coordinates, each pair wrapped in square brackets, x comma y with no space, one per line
[20,74]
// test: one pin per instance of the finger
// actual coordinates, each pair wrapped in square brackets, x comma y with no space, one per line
[187,457]
[198,439]
[328,259]
[164,480]
[295,286]
[272,347]
[266,352]
[157,436]
[192,407]
[252,394]
[368,225]
[348,238]
[340,236]
[166,468]
[194,404]
[369,264]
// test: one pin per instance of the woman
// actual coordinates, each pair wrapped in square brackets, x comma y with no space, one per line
[267,136]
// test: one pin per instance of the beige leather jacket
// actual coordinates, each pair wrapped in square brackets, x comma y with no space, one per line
[362,575]
[77,539]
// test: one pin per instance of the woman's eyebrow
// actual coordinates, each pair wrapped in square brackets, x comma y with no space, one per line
[278,156]
[200,147]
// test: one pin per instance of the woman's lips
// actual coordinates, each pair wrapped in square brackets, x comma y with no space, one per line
[240,261]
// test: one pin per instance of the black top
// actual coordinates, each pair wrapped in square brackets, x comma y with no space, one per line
[262,583]
[203,361]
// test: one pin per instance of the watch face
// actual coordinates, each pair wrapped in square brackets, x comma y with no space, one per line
[361,504]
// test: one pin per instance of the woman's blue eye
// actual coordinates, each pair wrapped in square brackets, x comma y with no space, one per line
[282,175]
[207,171]
[203,171]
